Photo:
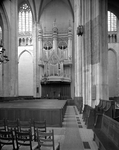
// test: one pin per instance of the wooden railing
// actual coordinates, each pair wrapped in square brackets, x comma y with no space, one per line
[93,116]
[89,116]
[107,136]
[107,107]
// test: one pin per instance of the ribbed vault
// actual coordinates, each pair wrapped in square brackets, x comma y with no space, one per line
[38,6]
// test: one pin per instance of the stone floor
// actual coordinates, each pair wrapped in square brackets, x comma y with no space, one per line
[74,135]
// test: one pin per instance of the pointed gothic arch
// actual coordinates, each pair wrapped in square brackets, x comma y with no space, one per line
[23,53]
[25,74]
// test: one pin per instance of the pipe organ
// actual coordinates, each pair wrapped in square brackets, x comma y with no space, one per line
[56,58]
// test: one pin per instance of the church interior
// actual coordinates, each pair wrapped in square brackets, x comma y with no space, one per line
[59,67]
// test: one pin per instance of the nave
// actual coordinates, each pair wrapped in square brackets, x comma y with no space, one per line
[74,134]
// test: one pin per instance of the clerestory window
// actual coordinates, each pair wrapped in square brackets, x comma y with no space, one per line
[112,22]
[25,19]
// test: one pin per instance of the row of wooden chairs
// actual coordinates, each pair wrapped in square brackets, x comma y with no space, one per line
[9,140]
[22,133]
[19,125]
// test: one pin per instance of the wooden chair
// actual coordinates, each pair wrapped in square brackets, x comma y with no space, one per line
[24,139]
[24,125]
[7,140]
[40,125]
[46,141]
[3,125]
[12,125]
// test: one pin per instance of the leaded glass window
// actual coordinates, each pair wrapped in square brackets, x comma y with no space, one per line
[112,22]
[25,19]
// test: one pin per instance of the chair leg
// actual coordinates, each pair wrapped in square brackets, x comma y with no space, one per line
[0,146]
[58,148]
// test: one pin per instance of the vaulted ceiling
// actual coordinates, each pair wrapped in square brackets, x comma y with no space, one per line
[39,5]
[113,5]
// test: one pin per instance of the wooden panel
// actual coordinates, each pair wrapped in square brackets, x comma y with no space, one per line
[53,117]
[107,107]
[56,90]
[89,116]
[111,129]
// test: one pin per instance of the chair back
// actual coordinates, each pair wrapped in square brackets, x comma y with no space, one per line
[3,125]
[45,139]
[24,125]
[6,138]
[12,124]
[40,125]
[23,138]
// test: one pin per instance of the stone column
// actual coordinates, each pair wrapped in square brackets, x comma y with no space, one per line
[78,53]
[83,57]
[36,54]
[76,44]
[103,32]
[99,50]
[87,51]
[37,37]
[95,51]
[10,30]
[84,60]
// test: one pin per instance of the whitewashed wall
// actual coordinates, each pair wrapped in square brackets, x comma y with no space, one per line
[25,71]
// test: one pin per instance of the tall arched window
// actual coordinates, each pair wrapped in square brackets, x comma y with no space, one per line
[25,19]
[112,22]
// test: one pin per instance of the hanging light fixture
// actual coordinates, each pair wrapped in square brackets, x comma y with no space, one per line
[3,56]
[80,30]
